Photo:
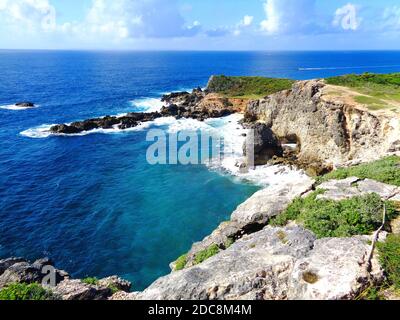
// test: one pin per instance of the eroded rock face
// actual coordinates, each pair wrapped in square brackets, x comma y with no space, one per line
[22,271]
[77,290]
[275,263]
[269,202]
[266,144]
[256,267]
[252,215]
[330,131]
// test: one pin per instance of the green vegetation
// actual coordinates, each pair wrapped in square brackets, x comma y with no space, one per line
[327,218]
[229,243]
[386,170]
[372,293]
[248,87]
[379,86]
[373,103]
[181,262]
[91,281]
[389,254]
[206,254]
[23,291]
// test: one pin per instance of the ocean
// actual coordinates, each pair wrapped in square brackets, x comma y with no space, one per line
[91,202]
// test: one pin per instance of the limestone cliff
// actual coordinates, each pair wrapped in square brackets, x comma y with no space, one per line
[328,128]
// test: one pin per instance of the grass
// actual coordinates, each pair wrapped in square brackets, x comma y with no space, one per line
[206,254]
[181,262]
[23,291]
[373,103]
[378,86]
[386,170]
[389,255]
[91,281]
[248,87]
[346,218]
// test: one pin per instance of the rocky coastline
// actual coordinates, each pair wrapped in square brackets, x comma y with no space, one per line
[247,257]
[198,104]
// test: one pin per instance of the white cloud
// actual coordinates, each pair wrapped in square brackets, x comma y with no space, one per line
[391,18]
[346,17]
[138,18]
[32,15]
[285,16]
[246,22]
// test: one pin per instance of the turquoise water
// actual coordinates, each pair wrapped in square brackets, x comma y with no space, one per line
[92,203]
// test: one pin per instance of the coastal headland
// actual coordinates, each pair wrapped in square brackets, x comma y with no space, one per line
[331,235]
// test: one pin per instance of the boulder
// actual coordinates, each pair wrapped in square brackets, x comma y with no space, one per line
[77,290]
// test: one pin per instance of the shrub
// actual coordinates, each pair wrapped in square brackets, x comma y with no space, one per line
[389,254]
[91,281]
[206,254]
[181,262]
[326,218]
[248,87]
[23,291]
[386,170]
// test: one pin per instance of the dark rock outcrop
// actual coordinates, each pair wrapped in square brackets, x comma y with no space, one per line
[25,104]
[266,144]
[196,105]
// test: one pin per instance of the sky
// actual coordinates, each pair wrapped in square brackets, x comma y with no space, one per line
[200,24]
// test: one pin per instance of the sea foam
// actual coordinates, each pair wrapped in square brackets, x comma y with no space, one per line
[16,108]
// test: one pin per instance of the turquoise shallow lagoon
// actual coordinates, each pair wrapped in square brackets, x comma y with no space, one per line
[92,203]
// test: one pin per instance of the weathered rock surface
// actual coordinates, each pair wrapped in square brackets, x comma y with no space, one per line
[275,263]
[333,270]
[22,271]
[77,290]
[269,202]
[251,216]
[353,187]
[329,131]
[116,283]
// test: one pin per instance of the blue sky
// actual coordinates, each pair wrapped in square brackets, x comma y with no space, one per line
[200,24]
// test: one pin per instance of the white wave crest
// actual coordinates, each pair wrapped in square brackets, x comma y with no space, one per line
[16,108]
[148,104]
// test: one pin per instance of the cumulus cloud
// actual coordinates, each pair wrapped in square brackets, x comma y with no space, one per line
[32,15]
[286,16]
[138,18]
[346,17]
[245,23]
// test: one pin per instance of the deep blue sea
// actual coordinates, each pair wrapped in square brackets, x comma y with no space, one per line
[92,203]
